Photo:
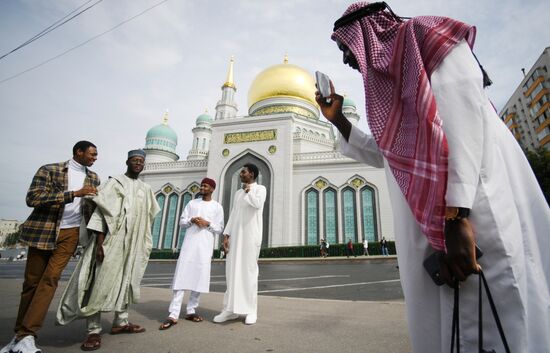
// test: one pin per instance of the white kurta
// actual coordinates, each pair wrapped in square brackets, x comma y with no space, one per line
[193,268]
[241,268]
[489,174]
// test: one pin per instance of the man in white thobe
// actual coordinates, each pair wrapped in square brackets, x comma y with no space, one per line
[109,273]
[488,175]
[242,242]
[203,219]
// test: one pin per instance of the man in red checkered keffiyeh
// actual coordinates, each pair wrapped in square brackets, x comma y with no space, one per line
[437,135]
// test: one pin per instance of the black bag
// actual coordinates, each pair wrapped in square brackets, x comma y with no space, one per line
[455,326]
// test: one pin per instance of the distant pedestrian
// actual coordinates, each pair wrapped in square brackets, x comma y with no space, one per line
[384,247]
[324,248]
[349,249]
[365,247]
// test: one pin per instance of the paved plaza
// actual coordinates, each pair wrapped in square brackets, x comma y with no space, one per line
[304,306]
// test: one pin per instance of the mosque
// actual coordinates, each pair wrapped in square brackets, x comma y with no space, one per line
[313,191]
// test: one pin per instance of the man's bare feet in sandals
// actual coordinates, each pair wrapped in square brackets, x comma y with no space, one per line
[169,322]
[193,317]
[92,342]
[130,328]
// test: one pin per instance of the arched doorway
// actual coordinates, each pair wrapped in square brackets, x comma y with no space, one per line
[232,183]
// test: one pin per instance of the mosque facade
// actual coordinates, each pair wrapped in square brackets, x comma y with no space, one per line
[313,191]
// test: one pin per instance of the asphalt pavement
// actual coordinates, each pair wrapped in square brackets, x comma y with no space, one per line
[310,321]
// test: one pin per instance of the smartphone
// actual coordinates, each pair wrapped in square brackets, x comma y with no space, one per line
[323,84]
[432,263]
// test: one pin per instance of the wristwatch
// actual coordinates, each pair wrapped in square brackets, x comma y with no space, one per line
[456,213]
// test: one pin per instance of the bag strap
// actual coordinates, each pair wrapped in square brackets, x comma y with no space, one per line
[495,315]
[455,327]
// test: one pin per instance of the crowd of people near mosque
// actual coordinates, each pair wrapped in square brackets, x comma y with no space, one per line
[457,179]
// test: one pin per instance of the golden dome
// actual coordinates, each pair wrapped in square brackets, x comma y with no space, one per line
[283,80]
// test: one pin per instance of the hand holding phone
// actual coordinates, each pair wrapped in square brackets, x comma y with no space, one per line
[323,84]
[432,265]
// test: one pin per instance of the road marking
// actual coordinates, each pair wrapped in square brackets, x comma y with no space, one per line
[324,287]
[261,280]
[300,278]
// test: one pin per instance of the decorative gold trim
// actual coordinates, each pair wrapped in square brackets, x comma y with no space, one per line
[194,189]
[251,136]
[320,184]
[168,189]
[225,152]
[275,109]
[272,149]
[357,182]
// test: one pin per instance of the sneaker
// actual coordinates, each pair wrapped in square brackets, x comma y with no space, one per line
[225,316]
[9,346]
[26,345]
[251,319]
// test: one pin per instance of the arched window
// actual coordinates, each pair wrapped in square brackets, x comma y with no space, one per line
[185,198]
[203,143]
[368,213]
[331,219]
[158,221]
[312,216]
[348,216]
[170,221]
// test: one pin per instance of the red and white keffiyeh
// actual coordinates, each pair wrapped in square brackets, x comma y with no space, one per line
[396,60]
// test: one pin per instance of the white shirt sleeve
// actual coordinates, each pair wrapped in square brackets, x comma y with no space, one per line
[362,148]
[457,85]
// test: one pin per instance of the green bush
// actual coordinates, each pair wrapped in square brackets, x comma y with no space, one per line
[292,251]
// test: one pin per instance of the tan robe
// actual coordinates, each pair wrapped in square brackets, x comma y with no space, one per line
[125,211]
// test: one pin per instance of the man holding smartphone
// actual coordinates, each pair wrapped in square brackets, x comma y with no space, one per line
[456,177]
[242,241]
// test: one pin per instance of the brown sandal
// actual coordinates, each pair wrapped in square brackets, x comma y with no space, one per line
[169,322]
[92,342]
[194,317]
[130,328]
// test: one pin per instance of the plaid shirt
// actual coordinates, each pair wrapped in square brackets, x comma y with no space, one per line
[48,195]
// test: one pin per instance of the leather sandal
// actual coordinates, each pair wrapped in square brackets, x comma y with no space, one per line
[92,342]
[194,317]
[130,328]
[169,322]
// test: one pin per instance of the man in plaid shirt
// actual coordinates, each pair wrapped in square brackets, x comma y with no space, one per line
[51,233]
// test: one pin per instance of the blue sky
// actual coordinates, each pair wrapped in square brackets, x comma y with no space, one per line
[113,89]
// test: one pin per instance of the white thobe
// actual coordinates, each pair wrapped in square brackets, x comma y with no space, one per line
[193,267]
[489,174]
[241,268]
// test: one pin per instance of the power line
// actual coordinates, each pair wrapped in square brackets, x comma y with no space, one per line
[53,26]
[83,43]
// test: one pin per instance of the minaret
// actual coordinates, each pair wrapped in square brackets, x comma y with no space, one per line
[202,135]
[350,111]
[160,143]
[226,108]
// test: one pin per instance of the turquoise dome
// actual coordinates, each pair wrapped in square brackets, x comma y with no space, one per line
[204,118]
[348,102]
[162,131]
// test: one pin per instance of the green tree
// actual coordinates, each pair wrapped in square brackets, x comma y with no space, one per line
[11,239]
[540,163]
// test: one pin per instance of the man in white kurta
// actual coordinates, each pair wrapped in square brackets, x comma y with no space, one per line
[489,174]
[109,273]
[242,240]
[203,219]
